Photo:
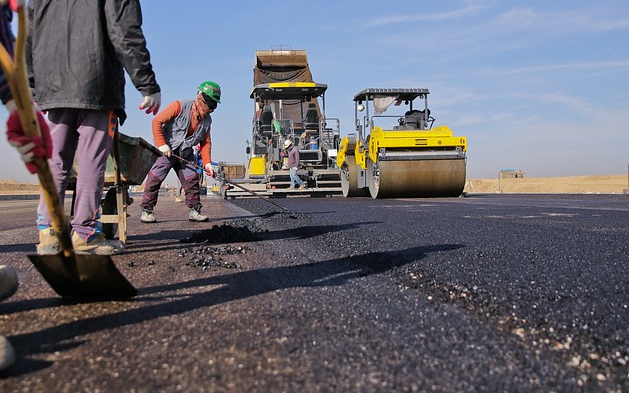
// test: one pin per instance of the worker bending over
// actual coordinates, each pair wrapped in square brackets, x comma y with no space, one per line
[176,130]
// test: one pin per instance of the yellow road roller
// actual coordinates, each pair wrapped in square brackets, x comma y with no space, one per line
[402,156]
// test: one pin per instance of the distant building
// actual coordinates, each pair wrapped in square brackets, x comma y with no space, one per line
[511,174]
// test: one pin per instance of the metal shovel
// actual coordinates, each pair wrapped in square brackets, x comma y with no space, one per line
[291,214]
[69,274]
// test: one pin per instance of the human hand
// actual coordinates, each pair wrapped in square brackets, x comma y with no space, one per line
[29,147]
[166,150]
[152,103]
[209,169]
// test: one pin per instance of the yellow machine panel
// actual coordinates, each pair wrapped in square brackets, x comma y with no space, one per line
[257,166]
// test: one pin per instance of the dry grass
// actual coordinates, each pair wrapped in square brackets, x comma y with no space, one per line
[11,187]
[613,184]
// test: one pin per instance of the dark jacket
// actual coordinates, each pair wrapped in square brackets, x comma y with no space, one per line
[76,51]
[6,39]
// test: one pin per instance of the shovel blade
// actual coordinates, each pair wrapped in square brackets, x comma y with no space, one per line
[83,276]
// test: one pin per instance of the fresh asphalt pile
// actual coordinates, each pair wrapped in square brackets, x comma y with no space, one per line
[560,289]
[207,256]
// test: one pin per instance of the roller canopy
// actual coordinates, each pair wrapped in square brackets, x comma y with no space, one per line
[402,94]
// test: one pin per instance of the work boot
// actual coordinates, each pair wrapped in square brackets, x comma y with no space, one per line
[303,186]
[48,242]
[147,216]
[8,282]
[99,245]
[195,215]
[7,355]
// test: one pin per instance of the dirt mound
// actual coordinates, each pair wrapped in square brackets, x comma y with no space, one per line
[612,184]
[9,187]
[604,184]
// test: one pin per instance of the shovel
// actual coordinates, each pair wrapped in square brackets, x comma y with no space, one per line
[158,152]
[69,274]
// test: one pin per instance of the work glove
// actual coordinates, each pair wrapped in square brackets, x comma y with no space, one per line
[166,150]
[29,147]
[209,169]
[152,103]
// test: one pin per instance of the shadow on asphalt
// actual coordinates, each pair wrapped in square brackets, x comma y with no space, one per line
[29,248]
[231,234]
[230,287]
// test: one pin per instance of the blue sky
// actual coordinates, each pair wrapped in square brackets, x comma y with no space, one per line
[541,86]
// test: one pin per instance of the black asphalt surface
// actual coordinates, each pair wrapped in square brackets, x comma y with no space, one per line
[489,293]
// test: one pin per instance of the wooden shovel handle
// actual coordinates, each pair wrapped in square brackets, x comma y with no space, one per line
[15,71]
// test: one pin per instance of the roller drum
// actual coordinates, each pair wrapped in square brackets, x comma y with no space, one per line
[420,178]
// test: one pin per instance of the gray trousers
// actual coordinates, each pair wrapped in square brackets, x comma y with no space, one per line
[186,173]
[86,134]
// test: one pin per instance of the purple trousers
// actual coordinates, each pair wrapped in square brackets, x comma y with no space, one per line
[186,173]
[86,134]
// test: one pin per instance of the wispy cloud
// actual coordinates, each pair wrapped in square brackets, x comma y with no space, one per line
[494,28]
[518,20]
[467,120]
[595,65]
[422,17]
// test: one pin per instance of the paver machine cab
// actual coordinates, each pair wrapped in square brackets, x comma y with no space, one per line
[290,106]
[399,154]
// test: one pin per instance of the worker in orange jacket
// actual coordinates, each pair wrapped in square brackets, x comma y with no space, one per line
[177,129]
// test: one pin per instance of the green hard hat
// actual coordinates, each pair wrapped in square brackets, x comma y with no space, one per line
[212,90]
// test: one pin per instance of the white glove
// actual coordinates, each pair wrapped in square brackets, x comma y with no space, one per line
[10,105]
[152,103]
[26,150]
[166,150]
[209,169]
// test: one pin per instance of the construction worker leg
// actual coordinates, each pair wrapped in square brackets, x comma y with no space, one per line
[154,181]
[62,124]
[190,182]
[96,131]
[294,178]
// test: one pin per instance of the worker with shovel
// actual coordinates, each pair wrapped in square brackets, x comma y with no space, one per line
[74,110]
[81,85]
[28,148]
[176,130]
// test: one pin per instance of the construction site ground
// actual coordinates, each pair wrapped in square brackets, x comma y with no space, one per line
[513,293]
